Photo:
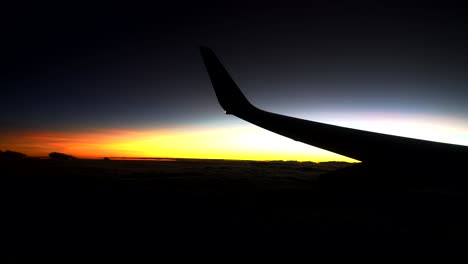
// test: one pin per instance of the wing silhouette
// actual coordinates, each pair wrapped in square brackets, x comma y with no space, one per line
[367,147]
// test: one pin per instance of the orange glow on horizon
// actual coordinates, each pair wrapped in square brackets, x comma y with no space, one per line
[241,143]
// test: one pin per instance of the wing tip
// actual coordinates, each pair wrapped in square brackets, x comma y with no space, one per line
[229,96]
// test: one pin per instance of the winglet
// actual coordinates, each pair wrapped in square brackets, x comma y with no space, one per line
[228,93]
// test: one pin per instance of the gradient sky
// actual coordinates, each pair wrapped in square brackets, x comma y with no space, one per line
[119,80]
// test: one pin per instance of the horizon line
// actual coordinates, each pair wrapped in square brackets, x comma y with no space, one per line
[187,158]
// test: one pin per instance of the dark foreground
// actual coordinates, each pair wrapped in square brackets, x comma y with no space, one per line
[78,207]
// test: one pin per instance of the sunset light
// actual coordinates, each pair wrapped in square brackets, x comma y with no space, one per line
[242,142]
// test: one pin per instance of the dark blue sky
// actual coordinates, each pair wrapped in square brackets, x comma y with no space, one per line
[73,67]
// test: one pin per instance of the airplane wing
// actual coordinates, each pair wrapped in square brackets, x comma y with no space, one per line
[367,147]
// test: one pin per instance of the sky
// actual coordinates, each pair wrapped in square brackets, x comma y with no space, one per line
[126,80]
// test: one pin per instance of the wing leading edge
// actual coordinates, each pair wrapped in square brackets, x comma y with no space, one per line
[368,147]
